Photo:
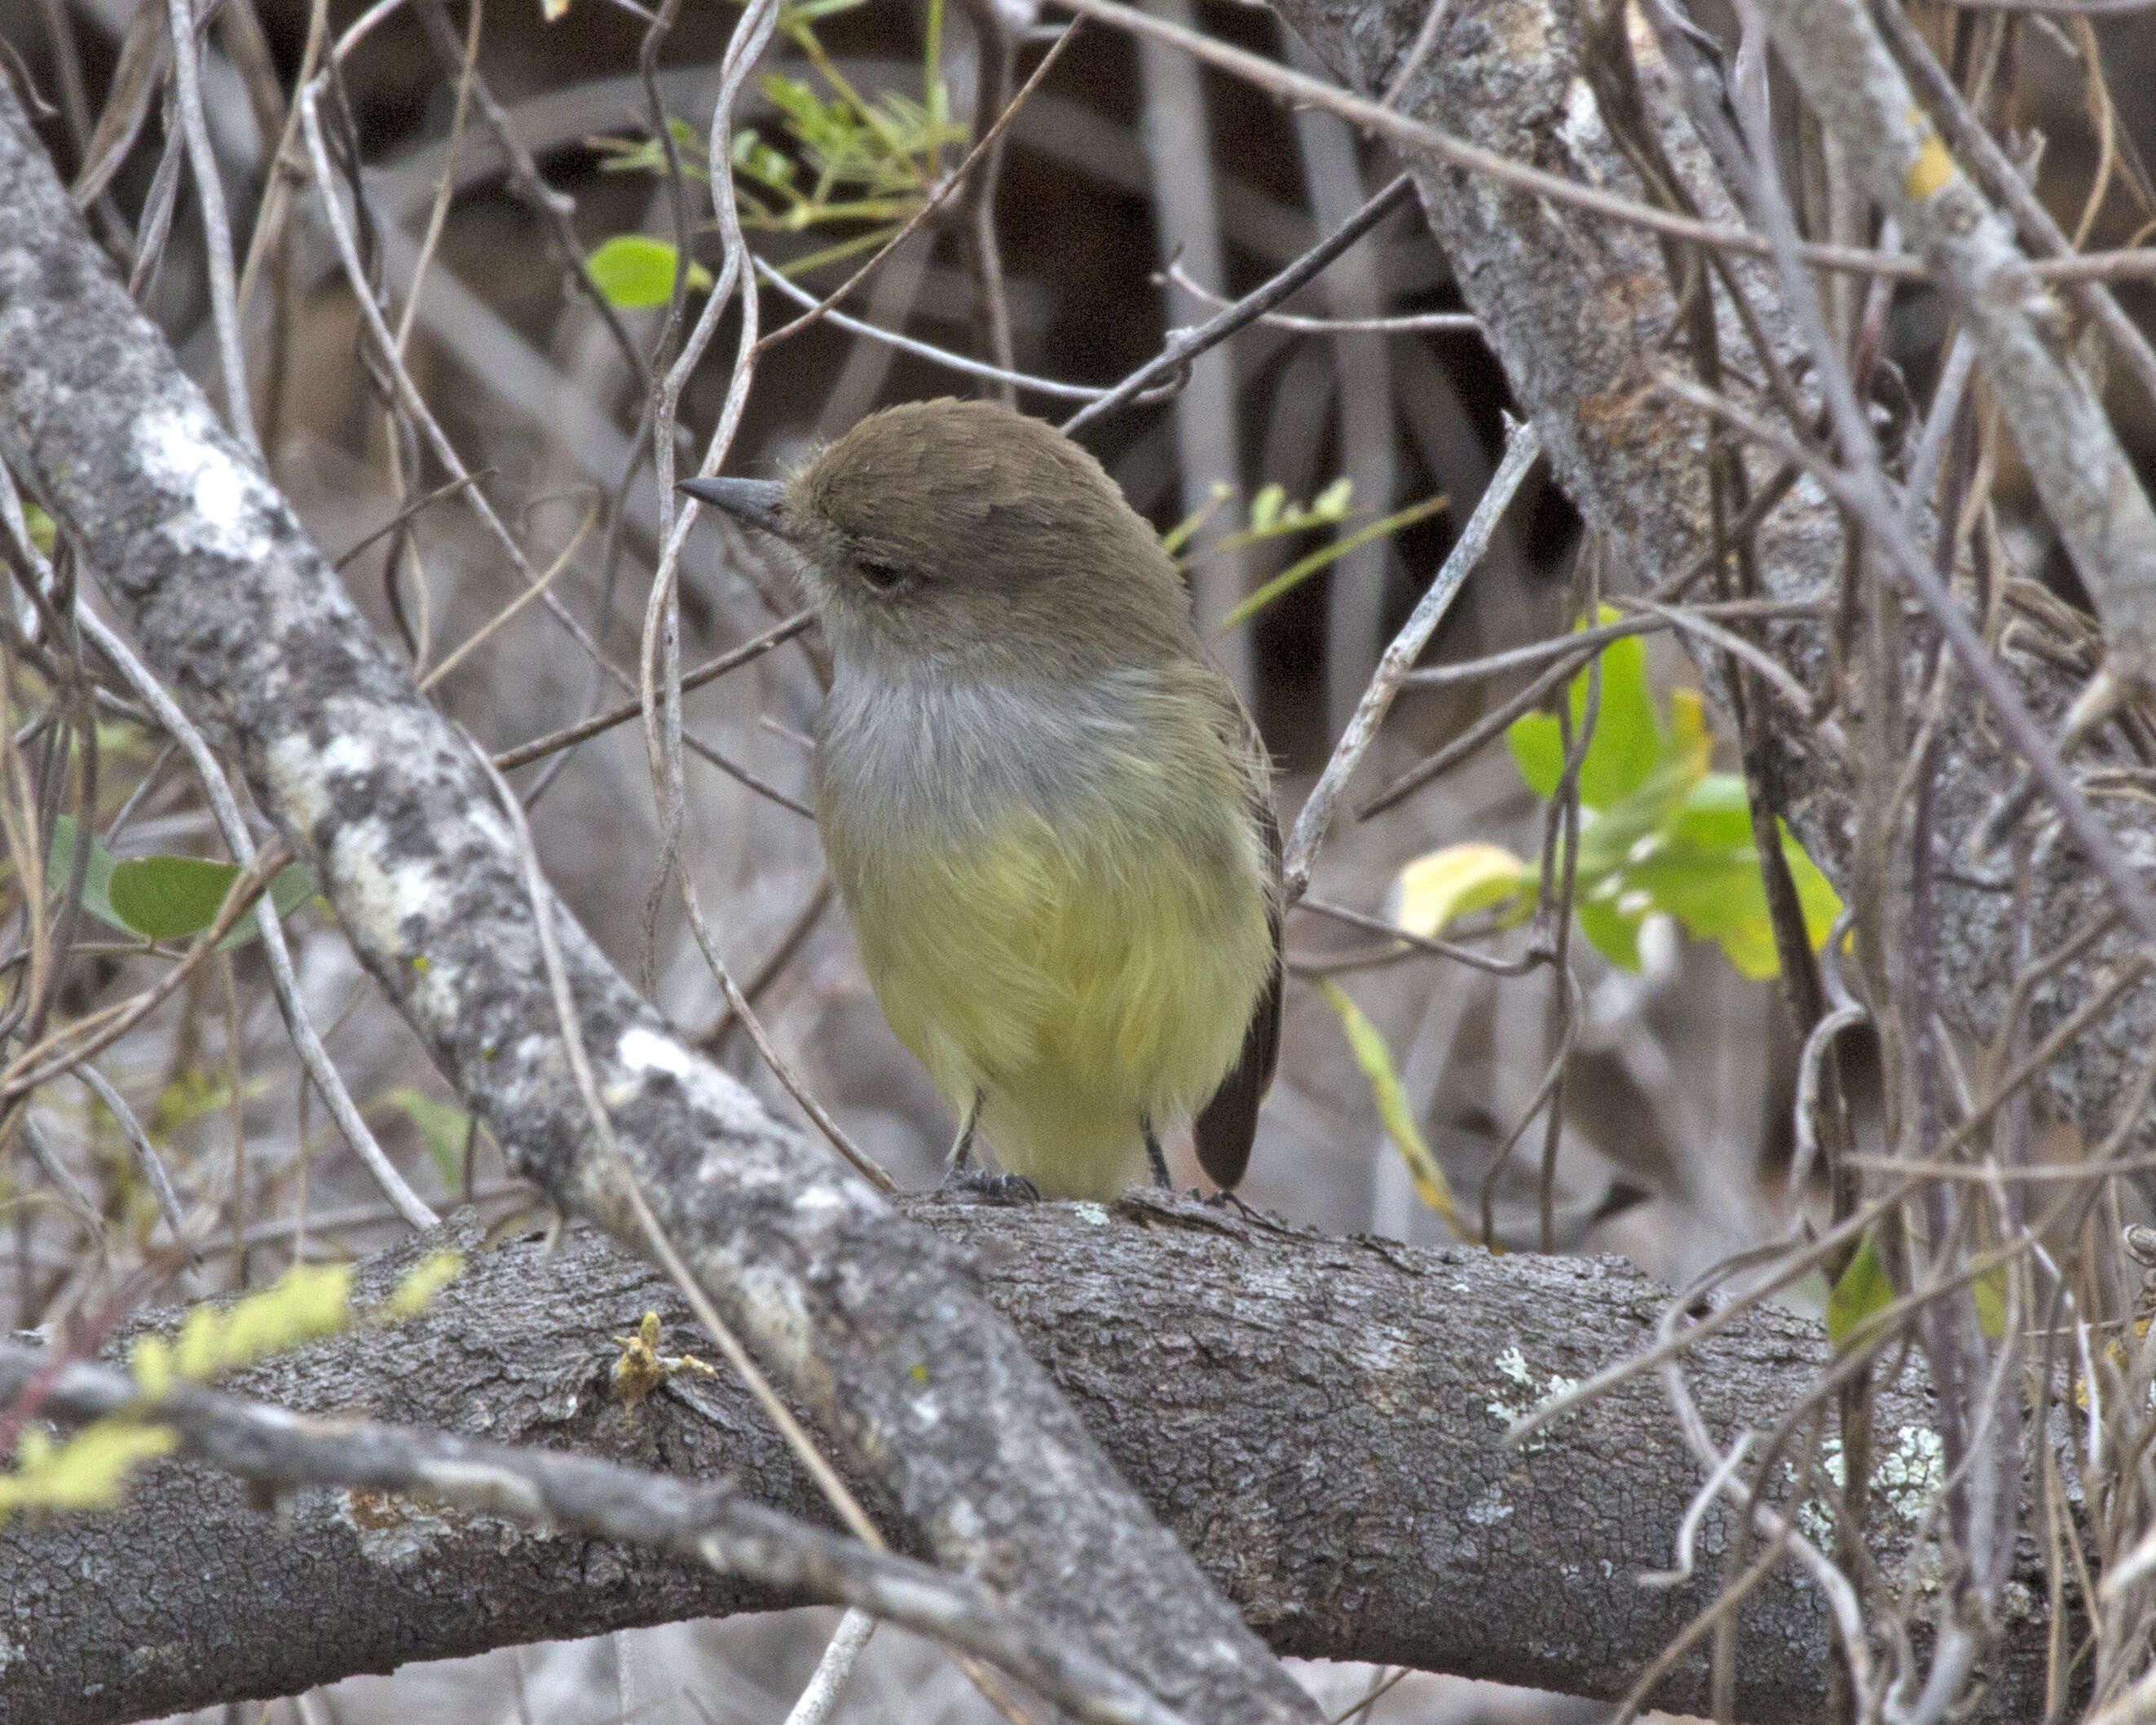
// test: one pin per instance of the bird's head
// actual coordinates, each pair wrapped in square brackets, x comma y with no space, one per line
[954,532]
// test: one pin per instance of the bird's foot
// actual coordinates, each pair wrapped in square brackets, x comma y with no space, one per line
[998,1188]
[1155,1160]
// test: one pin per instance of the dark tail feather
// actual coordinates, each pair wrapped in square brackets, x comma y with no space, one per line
[1227,1124]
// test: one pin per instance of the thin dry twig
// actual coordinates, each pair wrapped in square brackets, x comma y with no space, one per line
[217,225]
[1522,447]
[1410,323]
[1184,346]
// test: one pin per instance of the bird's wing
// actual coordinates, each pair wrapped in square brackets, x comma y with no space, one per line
[1227,1124]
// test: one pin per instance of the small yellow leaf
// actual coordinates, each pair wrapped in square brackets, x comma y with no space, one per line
[1933,169]
[306,1301]
[642,1367]
[196,1356]
[1436,890]
[1376,1061]
[424,1280]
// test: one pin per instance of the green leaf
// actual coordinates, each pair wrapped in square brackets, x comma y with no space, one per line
[769,168]
[442,1125]
[1679,841]
[1265,506]
[1716,816]
[648,155]
[1864,1289]
[97,877]
[171,897]
[1628,743]
[1368,1047]
[1611,841]
[166,898]
[796,100]
[635,270]
[42,533]
[1716,891]
[1297,572]
[1538,746]
[1815,893]
[1614,933]
[1710,892]
[1751,951]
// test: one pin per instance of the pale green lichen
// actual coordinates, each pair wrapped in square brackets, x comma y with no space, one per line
[1904,1478]
[1909,1473]
[1512,1365]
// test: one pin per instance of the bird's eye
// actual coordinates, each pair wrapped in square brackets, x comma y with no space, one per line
[884,578]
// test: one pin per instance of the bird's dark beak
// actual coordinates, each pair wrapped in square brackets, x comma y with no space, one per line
[754,503]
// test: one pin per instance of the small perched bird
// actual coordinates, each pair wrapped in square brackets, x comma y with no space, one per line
[1048,815]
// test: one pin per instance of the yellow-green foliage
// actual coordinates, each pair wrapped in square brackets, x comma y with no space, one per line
[306,1301]
[1658,832]
[421,1282]
[89,1470]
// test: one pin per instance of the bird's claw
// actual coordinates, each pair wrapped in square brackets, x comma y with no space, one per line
[998,1188]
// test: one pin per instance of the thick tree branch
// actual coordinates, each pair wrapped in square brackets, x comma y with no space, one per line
[861,1317]
[1322,1421]
[551,1491]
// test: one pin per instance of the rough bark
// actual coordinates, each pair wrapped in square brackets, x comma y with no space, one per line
[863,1318]
[1578,309]
[1322,1421]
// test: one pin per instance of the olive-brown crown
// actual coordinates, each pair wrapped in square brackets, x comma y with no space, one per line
[937,521]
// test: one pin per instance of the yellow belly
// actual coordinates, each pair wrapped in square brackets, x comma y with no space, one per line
[1082,978]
